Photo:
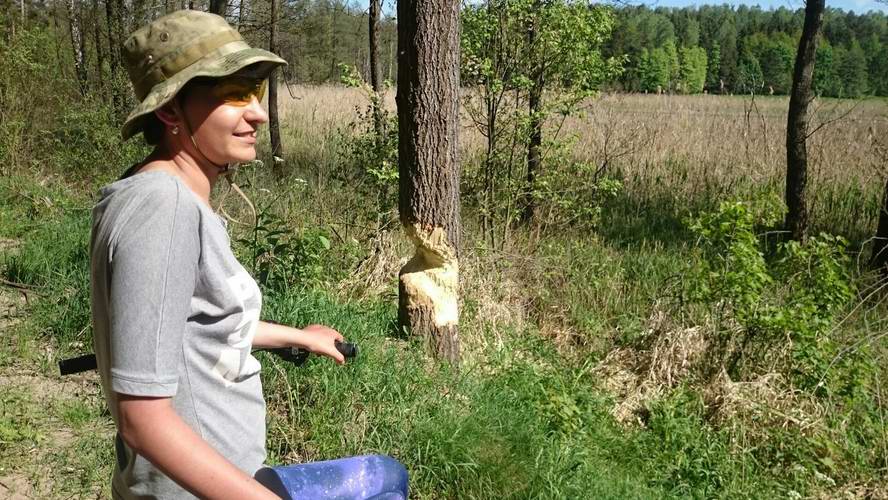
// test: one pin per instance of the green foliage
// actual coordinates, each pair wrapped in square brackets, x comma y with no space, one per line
[826,78]
[566,53]
[86,140]
[698,463]
[512,49]
[666,68]
[750,79]
[27,113]
[281,259]
[777,58]
[737,39]
[571,204]
[852,70]
[713,66]
[54,260]
[799,297]
[693,70]
[523,425]
[653,70]
[369,156]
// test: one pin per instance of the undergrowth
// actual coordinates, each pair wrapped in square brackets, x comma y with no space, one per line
[781,399]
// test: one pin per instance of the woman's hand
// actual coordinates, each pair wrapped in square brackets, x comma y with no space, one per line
[318,339]
[321,339]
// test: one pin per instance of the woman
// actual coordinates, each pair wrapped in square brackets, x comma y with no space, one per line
[175,315]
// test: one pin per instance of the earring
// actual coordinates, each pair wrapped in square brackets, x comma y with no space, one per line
[175,129]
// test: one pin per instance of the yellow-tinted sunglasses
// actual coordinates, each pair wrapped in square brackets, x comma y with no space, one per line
[239,90]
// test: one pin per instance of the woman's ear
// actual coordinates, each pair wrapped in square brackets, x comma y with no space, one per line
[168,115]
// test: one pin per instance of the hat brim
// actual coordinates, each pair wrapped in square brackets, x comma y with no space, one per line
[209,66]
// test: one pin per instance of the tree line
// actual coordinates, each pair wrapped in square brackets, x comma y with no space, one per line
[717,49]
[725,49]
[315,36]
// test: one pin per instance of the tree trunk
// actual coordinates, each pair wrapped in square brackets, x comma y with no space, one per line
[274,126]
[535,141]
[428,123]
[100,54]
[797,123]
[114,16]
[219,7]
[375,82]
[534,149]
[78,44]
[879,259]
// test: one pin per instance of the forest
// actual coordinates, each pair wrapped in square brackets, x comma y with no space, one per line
[656,241]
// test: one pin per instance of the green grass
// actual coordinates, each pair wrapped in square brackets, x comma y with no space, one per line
[525,416]
[522,418]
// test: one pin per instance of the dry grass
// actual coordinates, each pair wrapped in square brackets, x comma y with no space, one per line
[732,136]
[688,144]
[678,355]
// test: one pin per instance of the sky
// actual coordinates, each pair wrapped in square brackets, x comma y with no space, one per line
[858,6]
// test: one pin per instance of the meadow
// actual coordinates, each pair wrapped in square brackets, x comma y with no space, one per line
[673,349]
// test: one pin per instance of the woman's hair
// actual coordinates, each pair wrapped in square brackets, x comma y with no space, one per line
[153,129]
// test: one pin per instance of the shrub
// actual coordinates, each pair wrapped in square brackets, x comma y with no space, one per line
[796,297]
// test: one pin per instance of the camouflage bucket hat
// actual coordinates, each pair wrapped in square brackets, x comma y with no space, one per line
[166,54]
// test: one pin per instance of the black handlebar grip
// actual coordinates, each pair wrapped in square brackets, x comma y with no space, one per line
[347,349]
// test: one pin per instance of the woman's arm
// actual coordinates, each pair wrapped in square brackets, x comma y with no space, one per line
[318,339]
[152,429]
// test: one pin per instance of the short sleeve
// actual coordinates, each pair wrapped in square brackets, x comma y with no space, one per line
[154,263]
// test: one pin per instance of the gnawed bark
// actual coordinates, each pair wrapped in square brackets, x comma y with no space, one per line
[428,290]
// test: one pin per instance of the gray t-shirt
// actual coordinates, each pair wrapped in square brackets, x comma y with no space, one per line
[174,315]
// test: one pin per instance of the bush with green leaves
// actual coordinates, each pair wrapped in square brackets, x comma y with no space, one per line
[282,259]
[797,296]
[370,156]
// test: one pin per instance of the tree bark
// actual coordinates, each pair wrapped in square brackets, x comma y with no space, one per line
[375,80]
[219,7]
[114,16]
[78,44]
[796,223]
[535,141]
[100,54]
[534,149]
[879,259]
[428,123]
[274,126]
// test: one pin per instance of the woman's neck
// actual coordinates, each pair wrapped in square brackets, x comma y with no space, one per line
[198,177]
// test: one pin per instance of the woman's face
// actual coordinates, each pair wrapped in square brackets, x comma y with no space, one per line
[223,128]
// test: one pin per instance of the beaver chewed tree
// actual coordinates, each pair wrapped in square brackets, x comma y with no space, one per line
[428,120]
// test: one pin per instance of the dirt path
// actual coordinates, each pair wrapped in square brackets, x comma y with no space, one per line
[55,438]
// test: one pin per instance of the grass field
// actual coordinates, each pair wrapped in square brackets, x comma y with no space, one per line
[594,359]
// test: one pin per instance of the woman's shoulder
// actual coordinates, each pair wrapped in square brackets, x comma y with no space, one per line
[150,196]
[153,184]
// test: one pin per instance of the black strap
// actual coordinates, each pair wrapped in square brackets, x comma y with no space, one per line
[79,364]
[87,362]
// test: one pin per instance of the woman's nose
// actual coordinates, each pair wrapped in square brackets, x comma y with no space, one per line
[256,112]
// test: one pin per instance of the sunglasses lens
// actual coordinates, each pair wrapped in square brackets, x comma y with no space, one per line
[240,91]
